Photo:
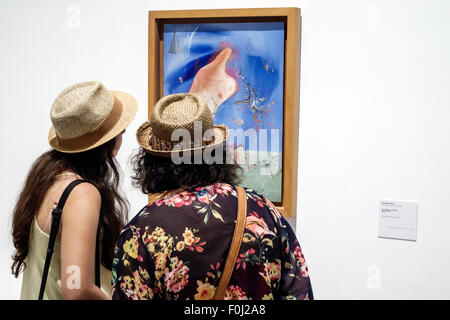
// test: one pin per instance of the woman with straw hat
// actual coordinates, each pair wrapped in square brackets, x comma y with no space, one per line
[64,230]
[202,236]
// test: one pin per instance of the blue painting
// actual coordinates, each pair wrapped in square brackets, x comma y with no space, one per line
[238,69]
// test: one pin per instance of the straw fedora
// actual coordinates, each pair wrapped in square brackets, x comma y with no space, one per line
[179,111]
[87,115]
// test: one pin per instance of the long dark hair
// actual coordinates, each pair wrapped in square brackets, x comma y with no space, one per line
[155,174]
[100,168]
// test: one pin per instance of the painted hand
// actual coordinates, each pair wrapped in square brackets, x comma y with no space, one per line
[212,82]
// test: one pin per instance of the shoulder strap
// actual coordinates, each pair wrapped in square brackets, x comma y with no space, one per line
[235,244]
[56,219]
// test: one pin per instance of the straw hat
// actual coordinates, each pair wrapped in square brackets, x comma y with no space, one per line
[180,111]
[87,115]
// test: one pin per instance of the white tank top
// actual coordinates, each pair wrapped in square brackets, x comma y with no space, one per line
[32,275]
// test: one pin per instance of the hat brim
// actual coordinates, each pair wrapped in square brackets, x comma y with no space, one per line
[221,134]
[129,109]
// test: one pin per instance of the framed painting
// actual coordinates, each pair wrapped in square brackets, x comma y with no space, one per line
[245,64]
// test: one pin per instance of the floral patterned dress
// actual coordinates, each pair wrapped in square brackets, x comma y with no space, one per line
[176,247]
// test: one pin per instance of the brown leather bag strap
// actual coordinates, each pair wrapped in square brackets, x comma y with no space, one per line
[235,244]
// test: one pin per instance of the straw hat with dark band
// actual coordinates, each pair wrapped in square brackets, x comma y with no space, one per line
[179,111]
[87,115]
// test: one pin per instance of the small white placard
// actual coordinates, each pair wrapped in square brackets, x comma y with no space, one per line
[398,220]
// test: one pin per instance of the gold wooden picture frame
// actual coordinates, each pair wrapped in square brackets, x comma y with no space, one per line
[291,19]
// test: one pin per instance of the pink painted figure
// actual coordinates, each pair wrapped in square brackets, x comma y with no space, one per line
[212,82]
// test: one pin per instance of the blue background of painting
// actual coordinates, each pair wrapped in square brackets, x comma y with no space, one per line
[259,44]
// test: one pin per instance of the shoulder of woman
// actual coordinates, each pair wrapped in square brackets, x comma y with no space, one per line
[83,205]
[86,190]
[84,195]
[263,202]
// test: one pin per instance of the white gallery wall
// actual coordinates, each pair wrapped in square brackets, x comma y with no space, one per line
[374,124]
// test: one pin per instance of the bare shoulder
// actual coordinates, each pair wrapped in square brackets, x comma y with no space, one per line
[86,191]
[84,197]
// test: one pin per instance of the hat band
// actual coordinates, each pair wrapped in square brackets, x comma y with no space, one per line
[95,135]
[164,145]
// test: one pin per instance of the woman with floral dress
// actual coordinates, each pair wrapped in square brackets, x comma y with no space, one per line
[177,245]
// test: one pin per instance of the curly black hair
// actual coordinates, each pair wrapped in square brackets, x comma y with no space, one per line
[154,174]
